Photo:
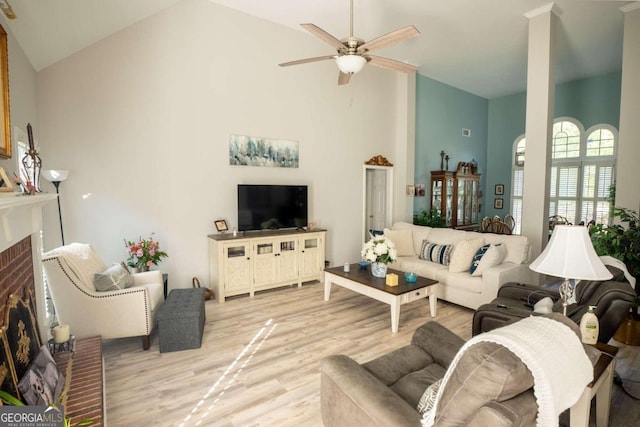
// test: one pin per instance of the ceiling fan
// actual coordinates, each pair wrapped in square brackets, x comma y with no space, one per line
[353,53]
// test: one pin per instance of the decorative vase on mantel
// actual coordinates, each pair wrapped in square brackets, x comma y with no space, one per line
[379,269]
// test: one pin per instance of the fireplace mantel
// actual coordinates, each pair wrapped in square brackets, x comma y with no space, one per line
[21,216]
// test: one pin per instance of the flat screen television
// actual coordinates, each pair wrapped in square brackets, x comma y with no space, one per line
[270,207]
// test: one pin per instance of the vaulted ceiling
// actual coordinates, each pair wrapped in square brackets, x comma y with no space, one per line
[475,45]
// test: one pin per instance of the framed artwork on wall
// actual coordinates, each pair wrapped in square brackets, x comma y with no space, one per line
[498,203]
[499,189]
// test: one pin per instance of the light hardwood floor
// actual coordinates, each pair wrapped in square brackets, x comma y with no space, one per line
[258,364]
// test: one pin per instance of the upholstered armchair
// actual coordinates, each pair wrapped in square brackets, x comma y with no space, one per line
[122,312]
[486,385]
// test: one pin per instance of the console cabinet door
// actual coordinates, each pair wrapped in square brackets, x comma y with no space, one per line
[312,257]
[238,271]
[264,263]
[287,260]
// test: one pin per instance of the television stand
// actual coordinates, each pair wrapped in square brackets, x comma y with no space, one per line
[252,262]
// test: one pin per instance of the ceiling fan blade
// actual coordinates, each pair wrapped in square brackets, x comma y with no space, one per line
[391,64]
[304,61]
[390,39]
[324,36]
[343,78]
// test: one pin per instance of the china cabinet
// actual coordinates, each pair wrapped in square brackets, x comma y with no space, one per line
[456,195]
[442,194]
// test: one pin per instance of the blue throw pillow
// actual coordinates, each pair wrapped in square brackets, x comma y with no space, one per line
[478,256]
[435,253]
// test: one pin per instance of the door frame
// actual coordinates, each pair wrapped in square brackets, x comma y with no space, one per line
[389,201]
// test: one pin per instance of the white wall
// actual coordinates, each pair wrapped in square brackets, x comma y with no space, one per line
[22,94]
[628,173]
[142,119]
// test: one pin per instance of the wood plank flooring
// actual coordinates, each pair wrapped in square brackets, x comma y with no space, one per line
[258,364]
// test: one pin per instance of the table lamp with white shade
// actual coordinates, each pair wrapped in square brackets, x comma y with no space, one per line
[56,177]
[570,255]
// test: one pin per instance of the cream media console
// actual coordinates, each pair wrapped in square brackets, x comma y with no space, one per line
[261,260]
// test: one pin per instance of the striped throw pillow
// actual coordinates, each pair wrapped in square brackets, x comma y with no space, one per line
[436,253]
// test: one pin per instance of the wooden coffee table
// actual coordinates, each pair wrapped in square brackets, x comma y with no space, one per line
[363,282]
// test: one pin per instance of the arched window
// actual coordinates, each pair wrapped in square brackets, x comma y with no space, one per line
[582,172]
[517,181]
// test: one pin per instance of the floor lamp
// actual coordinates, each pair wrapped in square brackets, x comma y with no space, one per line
[56,177]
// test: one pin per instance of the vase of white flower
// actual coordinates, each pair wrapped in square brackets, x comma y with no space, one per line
[379,269]
[379,251]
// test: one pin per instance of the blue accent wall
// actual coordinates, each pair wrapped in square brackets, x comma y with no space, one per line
[442,112]
[591,101]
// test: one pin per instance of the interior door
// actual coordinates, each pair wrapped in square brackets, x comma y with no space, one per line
[377,199]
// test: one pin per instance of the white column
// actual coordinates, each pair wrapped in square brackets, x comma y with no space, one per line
[404,165]
[627,171]
[539,123]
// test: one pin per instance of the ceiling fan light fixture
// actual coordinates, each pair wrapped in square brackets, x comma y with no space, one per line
[350,63]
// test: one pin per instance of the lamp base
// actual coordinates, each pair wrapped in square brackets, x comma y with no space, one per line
[566,292]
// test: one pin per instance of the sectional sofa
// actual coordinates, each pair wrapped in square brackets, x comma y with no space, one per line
[469,266]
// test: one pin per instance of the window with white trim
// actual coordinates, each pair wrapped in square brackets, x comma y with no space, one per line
[517,182]
[582,171]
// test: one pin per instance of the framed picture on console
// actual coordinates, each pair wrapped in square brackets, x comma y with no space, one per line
[221,226]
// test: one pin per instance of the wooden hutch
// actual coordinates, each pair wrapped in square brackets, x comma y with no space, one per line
[456,195]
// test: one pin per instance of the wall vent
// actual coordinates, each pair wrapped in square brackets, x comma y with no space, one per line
[466,132]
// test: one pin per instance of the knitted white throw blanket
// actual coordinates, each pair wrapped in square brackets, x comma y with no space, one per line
[551,351]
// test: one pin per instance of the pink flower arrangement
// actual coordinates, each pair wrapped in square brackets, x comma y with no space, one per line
[144,253]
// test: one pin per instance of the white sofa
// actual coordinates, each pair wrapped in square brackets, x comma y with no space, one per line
[460,287]
[116,313]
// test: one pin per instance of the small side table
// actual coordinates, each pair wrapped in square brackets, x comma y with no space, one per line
[165,282]
[600,388]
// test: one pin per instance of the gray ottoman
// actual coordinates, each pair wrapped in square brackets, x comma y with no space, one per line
[181,320]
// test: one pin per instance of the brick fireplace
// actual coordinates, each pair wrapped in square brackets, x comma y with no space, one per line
[16,270]
[20,242]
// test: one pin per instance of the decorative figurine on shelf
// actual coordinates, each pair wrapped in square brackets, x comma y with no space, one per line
[447,160]
[442,160]
[32,164]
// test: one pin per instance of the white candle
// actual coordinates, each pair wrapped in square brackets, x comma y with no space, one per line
[61,334]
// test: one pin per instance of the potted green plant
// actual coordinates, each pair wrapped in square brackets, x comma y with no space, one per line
[622,241]
[430,218]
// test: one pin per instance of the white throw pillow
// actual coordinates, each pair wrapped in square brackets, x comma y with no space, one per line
[463,253]
[402,239]
[494,256]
